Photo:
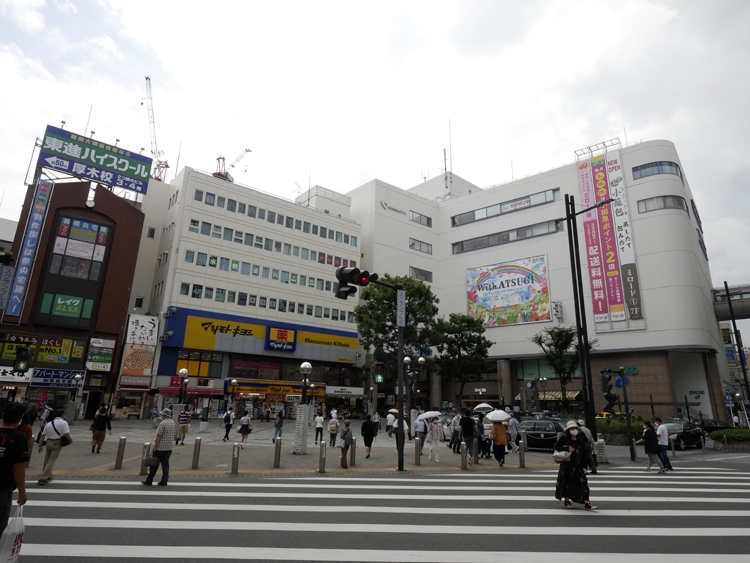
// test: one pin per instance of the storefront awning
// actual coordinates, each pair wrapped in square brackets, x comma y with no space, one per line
[135,389]
[192,391]
[556,396]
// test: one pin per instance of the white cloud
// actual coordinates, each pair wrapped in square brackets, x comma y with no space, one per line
[26,14]
[66,7]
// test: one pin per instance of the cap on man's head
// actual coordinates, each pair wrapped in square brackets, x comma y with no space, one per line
[581,423]
[166,412]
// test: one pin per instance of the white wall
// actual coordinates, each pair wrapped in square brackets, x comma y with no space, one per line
[689,374]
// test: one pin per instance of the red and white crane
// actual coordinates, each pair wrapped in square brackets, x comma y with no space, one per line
[159,167]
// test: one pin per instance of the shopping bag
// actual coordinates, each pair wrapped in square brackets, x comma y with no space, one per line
[12,538]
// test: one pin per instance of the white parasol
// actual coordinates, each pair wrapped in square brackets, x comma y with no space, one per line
[497,416]
[484,408]
[429,415]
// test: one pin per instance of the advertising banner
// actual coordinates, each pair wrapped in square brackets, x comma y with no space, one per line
[56,378]
[593,246]
[610,258]
[27,253]
[101,354]
[138,360]
[281,339]
[91,160]
[509,293]
[624,236]
[142,329]
[6,279]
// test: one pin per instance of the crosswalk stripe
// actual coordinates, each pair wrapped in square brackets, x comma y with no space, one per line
[364,509]
[171,553]
[377,528]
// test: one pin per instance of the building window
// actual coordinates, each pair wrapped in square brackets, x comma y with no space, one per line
[252,300]
[419,274]
[216,232]
[262,302]
[272,304]
[323,232]
[295,251]
[242,297]
[282,306]
[271,216]
[334,314]
[654,168]
[289,222]
[284,277]
[241,208]
[266,272]
[305,254]
[189,256]
[287,249]
[696,215]
[194,226]
[294,278]
[662,202]
[201,260]
[213,261]
[245,271]
[319,284]
[517,204]
[256,270]
[139,300]
[231,205]
[326,313]
[421,219]
[261,214]
[303,281]
[277,246]
[184,289]
[310,310]
[275,275]
[353,241]
[201,364]
[228,233]
[269,244]
[539,229]
[206,229]
[220,201]
[220,295]
[315,229]
[311,282]
[198,195]
[224,264]
[235,265]
[238,237]
[300,308]
[251,210]
[415,244]
[321,258]
[197,291]
[297,224]
[279,219]
[208,293]
[210,199]
[351,317]
[328,286]
[248,239]
[339,236]
[702,243]
[258,242]
[319,311]
[151,233]
[231,296]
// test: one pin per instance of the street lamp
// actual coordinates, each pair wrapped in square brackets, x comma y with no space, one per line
[543,381]
[578,301]
[183,375]
[234,382]
[300,428]
[305,369]
[412,378]
[78,377]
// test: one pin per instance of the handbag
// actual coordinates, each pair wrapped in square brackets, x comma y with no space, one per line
[339,442]
[561,456]
[12,538]
[151,461]
[64,441]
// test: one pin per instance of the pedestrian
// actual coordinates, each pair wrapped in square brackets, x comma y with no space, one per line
[405,435]
[455,443]
[347,438]
[334,413]
[662,439]
[376,422]
[368,433]
[483,444]
[227,421]
[435,437]
[499,439]
[52,437]
[467,431]
[246,426]
[278,427]
[513,429]
[572,484]
[162,449]
[155,416]
[30,417]
[319,420]
[183,419]
[736,420]
[651,445]
[420,430]
[389,420]
[14,455]
[333,430]
[588,448]
[99,429]
[48,410]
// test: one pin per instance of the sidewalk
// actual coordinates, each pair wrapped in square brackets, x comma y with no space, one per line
[255,458]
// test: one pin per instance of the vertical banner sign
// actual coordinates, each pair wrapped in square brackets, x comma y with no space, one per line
[29,244]
[610,259]
[140,347]
[593,248]
[624,236]
[6,279]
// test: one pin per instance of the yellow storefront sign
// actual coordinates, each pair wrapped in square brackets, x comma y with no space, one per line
[200,332]
[347,342]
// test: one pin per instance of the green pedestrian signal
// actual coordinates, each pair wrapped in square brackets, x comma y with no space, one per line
[21,365]
[379,372]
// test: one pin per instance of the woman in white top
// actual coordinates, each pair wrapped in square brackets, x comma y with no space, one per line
[435,437]
[319,427]
[245,428]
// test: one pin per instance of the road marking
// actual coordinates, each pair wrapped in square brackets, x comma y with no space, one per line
[376,528]
[171,553]
[327,508]
[731,457]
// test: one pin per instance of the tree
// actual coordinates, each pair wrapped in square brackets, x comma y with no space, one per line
[559,345]
[376,318]
[463,349]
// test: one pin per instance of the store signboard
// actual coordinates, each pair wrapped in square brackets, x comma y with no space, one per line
[280,339]
[345,391]
[142,329]
[7,377]
[61,378]
[144,382]
[6,279]
[101,354]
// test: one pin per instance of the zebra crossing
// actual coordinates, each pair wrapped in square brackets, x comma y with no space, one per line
[684,516]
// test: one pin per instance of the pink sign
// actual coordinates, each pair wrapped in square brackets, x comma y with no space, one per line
[610,258]
[593,248]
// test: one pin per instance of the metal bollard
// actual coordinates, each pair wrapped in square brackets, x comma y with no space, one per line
[322,458]
[635,450]
[144,455]
[417,453]
[353,452]
[277,454]
[703,445]
[475,450]
[120,452]
[726,446]
[196,452]
[524,443]
[671,443]
[235,458]
[522,451]
[463,456]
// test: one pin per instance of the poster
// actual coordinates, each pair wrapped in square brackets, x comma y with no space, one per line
[509,293]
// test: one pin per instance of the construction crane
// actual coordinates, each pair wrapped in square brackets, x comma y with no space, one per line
[223,172]
[159,168]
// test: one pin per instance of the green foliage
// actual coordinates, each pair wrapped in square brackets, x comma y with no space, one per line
[559,345]
[733,436]
[376,318]
[463,349]
[613,426]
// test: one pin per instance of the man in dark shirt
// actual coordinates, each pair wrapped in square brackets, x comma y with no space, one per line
[14,453]
[467,429]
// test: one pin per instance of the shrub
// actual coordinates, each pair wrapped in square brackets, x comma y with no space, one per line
[611,426]
[733,436]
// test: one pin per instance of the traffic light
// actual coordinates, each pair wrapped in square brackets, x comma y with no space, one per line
[349,277]
[604,378]
[379,372]
[21,365]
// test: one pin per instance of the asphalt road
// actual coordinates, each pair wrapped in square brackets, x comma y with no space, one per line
[699,510]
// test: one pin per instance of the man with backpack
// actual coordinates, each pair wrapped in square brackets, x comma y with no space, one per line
[227,421]
[333,431]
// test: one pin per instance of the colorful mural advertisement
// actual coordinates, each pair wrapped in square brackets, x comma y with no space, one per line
[510,293]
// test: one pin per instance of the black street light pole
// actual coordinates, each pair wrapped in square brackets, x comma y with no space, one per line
[578,300]
[738,339]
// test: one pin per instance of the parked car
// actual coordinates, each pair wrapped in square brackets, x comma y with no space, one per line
[540,434]
[684,434]
[709,426]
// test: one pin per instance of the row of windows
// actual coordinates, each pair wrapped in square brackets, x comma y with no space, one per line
[517,204]
[702,243]
[653,168]
[242,299]
[662,202]
[419,274]
[275,218]
[415,244]
[421,219]
[505,237]
[202,258]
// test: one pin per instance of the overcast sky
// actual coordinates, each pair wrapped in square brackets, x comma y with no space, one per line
[353,91]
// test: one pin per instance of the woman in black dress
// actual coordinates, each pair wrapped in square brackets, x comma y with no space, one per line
[651,445]
[368,433]
[572,484]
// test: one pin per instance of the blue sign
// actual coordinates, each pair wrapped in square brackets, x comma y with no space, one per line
[619,381]
[29,244]
[730,355]
[56,378]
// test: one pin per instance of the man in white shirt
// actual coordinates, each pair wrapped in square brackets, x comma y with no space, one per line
[455,443]
[736,420]
[389,424]
[662,438]
[318,427]
[52,436]
[513,430]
